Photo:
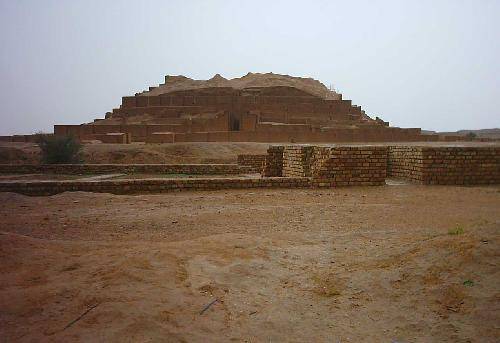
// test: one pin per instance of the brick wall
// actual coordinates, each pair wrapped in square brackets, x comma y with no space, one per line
[331,166]
[405,162]
[297,160]
[201,131]
[255,162]
[446,165]
[461,165]
[349,166]
[69,169]
[273,164]
[149,185]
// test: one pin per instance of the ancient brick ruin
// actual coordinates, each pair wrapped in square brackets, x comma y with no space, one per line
[291,110]
[365,165]
[330,166]
[445,165]
[291,166]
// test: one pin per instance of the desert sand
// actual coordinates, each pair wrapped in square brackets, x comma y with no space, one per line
[397,263]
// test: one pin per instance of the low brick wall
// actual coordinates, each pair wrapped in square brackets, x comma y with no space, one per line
[349,166]
[446,165]
[69,169]
[149,185]
[255,162]
[333,166]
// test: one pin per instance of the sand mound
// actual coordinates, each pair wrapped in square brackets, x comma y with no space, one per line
[309,85]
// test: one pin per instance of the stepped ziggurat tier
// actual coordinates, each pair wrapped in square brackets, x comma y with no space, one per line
[253,108]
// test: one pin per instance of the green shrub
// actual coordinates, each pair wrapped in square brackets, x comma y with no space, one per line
[468,283]
[458,230]
[59,149]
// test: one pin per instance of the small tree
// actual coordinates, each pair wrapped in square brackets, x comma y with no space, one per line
[59,149]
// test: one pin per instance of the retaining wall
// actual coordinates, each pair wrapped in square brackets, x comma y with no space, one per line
[198,169]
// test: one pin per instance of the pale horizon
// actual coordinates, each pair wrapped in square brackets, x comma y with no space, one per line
[428,64]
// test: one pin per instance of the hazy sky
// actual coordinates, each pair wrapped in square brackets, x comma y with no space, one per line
[430,64]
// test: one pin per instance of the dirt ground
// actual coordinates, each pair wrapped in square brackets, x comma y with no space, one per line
[400,263]
[29,153]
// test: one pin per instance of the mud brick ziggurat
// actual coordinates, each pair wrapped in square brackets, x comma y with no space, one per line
[253,108]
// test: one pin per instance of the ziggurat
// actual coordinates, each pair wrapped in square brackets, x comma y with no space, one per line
[253,108]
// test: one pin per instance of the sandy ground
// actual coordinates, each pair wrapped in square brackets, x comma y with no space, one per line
[398,263]
[19,153]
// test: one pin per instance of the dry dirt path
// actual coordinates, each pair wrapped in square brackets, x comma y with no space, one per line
[396,263]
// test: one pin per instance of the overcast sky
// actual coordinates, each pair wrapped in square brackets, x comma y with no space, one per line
[430,64]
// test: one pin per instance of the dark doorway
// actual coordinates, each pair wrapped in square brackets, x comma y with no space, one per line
[234,123]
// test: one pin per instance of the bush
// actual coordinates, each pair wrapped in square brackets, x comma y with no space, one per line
[59,149]
[458,230]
